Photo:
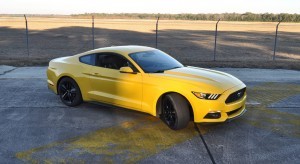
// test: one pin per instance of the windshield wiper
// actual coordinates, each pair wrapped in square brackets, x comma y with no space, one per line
[159,71]
[163,70]
[173,68]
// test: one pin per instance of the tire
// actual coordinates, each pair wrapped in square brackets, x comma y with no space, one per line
[175,111]
[69,92]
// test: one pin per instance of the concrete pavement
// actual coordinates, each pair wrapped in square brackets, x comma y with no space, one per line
[36,127]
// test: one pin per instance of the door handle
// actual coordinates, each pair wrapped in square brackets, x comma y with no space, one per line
[92,74]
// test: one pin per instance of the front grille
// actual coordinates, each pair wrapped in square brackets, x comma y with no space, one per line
[235,96]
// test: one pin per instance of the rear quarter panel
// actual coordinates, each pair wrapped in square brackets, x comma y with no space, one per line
[69,67]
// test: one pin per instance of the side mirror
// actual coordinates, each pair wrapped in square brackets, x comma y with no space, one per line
[126,70]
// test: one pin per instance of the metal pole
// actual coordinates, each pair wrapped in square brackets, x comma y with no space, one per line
[93,32]
[27,44]
[156,32]
[275,45]
[216,33]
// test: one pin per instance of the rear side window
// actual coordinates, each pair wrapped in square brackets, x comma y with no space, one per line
[88,59]
[113,61]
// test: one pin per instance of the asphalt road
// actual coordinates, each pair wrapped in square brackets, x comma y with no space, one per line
[36,127]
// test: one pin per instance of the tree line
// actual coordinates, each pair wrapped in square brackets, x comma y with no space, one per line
[264,17]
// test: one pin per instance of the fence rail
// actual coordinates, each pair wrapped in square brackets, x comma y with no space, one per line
[185,40]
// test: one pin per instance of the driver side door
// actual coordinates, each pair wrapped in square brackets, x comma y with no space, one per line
[111,86]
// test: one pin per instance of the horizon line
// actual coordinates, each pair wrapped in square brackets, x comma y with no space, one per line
[143,13]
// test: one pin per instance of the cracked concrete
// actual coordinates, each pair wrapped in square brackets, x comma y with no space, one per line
[5,69]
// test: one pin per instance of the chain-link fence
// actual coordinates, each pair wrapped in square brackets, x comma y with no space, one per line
[12,38]
[288,41]
[245,41]
[124,32]
[188,41]
[59,38]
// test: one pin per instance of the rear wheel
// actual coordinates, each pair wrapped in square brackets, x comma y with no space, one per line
[69,92]
[175,111]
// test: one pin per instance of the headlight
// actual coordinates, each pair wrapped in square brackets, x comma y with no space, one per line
[207,96]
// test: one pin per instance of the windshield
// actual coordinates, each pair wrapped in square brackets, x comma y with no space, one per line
[155,61]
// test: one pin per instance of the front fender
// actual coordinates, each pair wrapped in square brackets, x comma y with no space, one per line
[154,89]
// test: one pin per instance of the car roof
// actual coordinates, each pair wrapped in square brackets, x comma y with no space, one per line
[120,49]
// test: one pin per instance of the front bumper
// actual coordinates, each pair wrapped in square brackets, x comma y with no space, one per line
[227,111]
[237,116]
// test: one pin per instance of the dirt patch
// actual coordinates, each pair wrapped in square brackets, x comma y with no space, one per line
[239,44]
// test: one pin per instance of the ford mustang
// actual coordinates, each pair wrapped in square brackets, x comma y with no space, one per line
[147,80]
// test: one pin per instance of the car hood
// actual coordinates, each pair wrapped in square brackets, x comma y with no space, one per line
[220,80]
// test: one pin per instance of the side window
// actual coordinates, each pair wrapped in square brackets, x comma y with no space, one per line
[113,61]
[88,59]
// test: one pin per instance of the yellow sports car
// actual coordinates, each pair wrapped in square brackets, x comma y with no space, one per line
[147,80]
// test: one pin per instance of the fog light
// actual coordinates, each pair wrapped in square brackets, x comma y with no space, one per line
[213,115]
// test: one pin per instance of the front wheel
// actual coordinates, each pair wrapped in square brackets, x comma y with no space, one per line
[175,111]
[69,92]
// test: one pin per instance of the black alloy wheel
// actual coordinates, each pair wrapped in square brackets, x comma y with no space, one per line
[169,113]
[175,111]
[69,92]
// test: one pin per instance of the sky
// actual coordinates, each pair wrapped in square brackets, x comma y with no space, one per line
[147,6]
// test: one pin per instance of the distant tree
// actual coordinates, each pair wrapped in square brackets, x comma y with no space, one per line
[248,16]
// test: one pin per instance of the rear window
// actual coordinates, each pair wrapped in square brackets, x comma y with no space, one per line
[88,59]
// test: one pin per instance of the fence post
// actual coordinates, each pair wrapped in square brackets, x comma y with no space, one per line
[27,44]
[156,32]
[93,32]
[275,44]
[216,34]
